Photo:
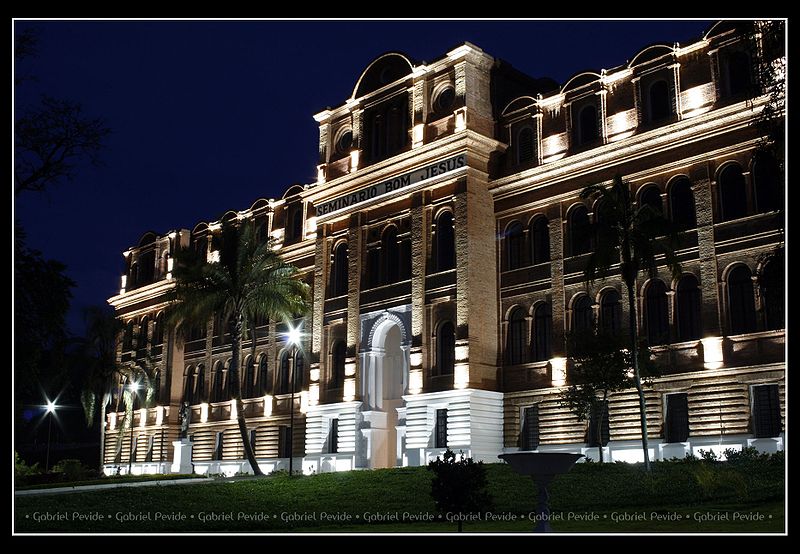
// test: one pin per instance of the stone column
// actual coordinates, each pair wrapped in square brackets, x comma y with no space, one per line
[557,281]
[321,273]
[355,251]
[476,284]
[420,234]
[710,312]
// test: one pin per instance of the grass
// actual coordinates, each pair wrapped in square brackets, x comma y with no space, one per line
[280,504]
[105,481]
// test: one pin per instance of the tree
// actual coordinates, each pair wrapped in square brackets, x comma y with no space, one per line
[103,375]
[42,293]
[249,280]
[639,239]
[50,140]
[601,365]
[53,137]
[459,487]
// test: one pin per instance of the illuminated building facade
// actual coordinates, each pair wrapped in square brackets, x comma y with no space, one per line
[442,243]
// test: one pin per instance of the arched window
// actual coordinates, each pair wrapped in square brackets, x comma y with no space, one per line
[299,370]
[651,196]
[766,181]
[395,130]
[540,240]
[657,313]
[127,337]
[734,193]
[681,202]
[687,306]
[249,378]
[158,330]
[262,233]
[542,332]
[283,373]
[445,242]
[772,292]
[579,231]
[157,387]
[141,341]
[610,312]
[264,380]
[390,255]
[229,382]
[338,355]
[515,241]
[162,270]
[339,270]
[297,223]
[582,316]
[445,348]
[217,391]
[658,98]
[200,384]
[525,151]
[133,276]
[188,386]
[587,125]
[741,301]
[515,343]
[378,135]
[738,64]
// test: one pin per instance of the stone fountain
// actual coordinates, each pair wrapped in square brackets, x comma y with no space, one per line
[542,467]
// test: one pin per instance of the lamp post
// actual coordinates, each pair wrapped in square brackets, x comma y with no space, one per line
[50,409]
[293,337]
[133,387]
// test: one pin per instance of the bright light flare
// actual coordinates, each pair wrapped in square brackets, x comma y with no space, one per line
[50,407]
[293,335]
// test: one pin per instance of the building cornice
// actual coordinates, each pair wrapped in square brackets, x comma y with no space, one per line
[142,294]
[658,140]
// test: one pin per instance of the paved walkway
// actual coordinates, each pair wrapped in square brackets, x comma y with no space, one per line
[85,488]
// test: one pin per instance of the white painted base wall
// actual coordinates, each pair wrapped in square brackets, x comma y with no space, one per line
[631,451]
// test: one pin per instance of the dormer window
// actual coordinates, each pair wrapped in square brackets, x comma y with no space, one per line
[658,102]
[585,129]
[387,128]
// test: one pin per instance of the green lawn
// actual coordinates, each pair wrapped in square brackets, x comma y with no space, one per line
[592,498]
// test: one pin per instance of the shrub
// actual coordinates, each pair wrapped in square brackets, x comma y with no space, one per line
[459,486]
[72,470]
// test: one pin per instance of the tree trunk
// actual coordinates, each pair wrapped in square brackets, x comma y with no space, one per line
[637,378]
[103,401]
[237,392]
[600,426]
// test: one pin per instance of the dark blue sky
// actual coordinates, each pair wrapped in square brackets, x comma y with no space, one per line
[210,116]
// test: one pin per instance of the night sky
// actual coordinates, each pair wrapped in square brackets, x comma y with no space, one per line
[210,116]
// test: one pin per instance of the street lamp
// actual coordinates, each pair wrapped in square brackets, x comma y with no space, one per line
[133,387]
[50,409]
[293,338]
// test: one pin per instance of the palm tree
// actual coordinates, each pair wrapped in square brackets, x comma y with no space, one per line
[248,280]
[636,238]
[103,375]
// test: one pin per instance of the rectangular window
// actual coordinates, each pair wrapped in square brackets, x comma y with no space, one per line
[676,420]
[766,411]
[148,457]
[253,438]
[441,428]
[333,437]
[594,419]
[530,428]
[284,442]
[218,445]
